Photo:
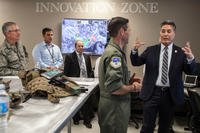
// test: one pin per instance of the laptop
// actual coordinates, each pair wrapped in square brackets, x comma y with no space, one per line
[190,81]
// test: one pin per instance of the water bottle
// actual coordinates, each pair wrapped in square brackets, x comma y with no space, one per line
[4,108]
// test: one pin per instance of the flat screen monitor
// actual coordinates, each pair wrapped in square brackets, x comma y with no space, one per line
[190,81]
[93,33]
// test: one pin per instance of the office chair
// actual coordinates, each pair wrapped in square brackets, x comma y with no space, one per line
[194,100]
[136,108]
[135,101]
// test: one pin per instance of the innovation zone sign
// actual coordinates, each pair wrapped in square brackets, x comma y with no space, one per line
[97,7]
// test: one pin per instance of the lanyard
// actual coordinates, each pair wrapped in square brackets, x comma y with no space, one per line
[51,52]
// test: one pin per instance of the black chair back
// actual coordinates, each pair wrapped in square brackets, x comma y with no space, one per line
[194,100]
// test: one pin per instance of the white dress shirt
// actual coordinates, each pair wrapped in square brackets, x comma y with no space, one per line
[47,55]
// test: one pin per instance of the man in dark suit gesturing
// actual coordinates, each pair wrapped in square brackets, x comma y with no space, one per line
[162,84]
[78,64]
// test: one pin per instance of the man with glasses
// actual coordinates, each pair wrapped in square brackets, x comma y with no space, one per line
[78,64]
[12,56]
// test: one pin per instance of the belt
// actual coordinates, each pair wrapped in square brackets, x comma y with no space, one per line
[163,88]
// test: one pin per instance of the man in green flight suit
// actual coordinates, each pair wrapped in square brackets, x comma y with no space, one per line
[114,104]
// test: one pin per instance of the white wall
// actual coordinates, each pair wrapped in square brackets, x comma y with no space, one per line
[145,17]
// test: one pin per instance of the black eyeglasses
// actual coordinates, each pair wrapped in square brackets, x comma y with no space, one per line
[17,30]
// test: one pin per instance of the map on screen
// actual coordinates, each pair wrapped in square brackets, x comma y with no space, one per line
[93,33]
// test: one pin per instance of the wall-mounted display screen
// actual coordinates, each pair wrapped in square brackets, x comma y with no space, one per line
[93,33]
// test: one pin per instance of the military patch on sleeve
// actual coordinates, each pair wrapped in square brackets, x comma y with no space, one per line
[115,62]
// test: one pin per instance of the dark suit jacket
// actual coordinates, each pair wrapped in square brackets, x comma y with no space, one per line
[72,68]
[178,64]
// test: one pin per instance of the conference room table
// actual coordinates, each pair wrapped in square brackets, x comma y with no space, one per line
[42,116]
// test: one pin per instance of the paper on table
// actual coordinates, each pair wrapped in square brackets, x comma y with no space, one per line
[85,81]
[15,86]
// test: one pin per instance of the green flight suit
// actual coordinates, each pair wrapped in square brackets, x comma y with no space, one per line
[113,110]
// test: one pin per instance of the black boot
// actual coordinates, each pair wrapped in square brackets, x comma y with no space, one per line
[87,124]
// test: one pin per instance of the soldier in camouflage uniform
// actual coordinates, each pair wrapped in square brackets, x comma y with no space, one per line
[114,104]
[12,56]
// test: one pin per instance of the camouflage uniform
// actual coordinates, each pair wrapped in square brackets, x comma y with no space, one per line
[12,59]
[113,110]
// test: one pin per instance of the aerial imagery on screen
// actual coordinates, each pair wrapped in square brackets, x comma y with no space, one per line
[93,33]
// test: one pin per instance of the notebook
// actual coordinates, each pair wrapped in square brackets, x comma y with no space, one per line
[190,81]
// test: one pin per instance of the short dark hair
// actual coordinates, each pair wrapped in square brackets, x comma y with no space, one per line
[169,22]
[46,30]
[115,24]
[6,25]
